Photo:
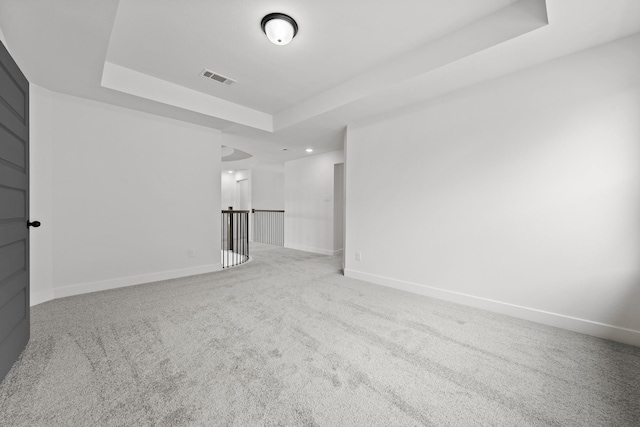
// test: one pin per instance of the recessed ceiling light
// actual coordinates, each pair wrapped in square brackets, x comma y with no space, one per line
[309,150]
[229,171]
[279,28]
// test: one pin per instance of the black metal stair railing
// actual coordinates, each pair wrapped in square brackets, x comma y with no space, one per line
[268,226]
[235,237]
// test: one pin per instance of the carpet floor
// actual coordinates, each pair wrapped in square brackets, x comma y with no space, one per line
[287,340]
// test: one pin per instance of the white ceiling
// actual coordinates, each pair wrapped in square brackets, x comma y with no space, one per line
[337,41]
[350,60]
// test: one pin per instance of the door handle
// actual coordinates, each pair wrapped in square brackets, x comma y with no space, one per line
[34,224]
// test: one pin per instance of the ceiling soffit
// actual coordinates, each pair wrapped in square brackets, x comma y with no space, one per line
[511,21]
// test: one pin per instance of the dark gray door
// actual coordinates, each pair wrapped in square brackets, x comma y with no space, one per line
[14,209]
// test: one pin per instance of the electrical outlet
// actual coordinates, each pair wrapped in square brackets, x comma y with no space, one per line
[192,253]
[358,256]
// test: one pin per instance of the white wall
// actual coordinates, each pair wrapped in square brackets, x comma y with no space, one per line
[309,202]
[231,191]
[520,195]
[122,196]
[243,192]
[267,189]
[338,207]
[228,190]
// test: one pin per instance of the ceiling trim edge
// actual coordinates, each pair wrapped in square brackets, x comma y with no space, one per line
[135,83]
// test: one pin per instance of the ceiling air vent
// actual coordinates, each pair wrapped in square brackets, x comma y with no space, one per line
[208,74]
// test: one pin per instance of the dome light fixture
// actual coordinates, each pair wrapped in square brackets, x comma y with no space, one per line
[279,28]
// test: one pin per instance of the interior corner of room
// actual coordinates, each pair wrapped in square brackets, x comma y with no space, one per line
[490,160]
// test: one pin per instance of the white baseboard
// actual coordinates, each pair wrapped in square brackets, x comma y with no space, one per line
[39,297]
[312,249]
[103,285]
[584,326]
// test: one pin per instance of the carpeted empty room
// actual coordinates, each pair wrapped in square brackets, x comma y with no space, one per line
[288,340]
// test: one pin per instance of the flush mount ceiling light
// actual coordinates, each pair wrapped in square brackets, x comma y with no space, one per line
[279,28]
[309,150]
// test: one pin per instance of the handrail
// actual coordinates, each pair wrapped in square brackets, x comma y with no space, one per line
[265,210]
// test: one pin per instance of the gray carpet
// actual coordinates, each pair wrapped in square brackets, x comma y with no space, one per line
[287,340]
